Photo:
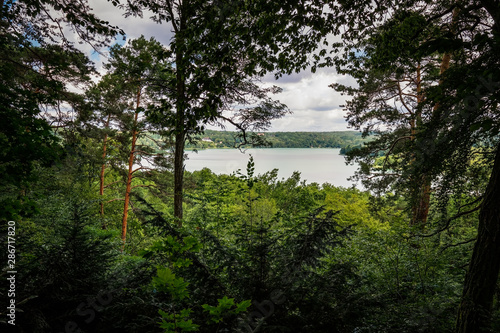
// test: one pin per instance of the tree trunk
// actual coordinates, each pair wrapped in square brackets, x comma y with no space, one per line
[130,171]
[474,313]
[103,169]
[180,135]
[178,177]
[422,194]
[420,208]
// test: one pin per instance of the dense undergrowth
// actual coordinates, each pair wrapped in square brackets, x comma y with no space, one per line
[255,254]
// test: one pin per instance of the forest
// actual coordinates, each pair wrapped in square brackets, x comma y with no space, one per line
[229,139]
[103,230]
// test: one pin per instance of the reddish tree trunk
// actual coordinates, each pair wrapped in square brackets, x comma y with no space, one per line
[420,208]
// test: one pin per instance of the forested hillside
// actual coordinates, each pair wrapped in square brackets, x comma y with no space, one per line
[341,139]
[103,229]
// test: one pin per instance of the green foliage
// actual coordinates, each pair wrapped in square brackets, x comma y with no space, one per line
[165,281]
[61,265]
[271,242]
[172,249]
[284,255]
[305,258]
[175,322]
[38,63]
[226,307]
[436,91]
[409,284]
[176,288]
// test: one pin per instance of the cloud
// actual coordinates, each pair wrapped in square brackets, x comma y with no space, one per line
[322,108]
[292,78]
[315,106]
[133,27]
[311,92]
[311,121]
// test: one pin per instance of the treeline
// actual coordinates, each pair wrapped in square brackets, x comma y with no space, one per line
[338,139]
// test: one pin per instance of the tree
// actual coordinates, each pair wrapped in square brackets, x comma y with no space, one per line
[464,123]
[218,49]
[468,122]
[105,107]
[37,62]
[393,75]
[133,69]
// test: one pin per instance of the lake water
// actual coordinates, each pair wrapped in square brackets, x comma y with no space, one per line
[320,165]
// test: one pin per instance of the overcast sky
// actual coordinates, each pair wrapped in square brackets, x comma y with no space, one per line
[315,106]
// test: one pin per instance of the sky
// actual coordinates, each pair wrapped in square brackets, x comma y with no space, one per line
[315,106]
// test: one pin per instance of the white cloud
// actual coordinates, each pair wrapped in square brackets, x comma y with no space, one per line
[315,106]
[133,27]
[313,121]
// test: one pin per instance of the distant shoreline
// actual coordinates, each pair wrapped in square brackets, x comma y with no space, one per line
[336,139]
[344,140]
[215,148]
[229,148]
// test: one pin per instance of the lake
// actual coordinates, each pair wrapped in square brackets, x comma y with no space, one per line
[320,165]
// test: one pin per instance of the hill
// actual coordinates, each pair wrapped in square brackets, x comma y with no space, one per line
[339,139]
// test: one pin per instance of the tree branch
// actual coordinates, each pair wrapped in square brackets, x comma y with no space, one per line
[152,185]
[447,224]
[392,147]
[141,168]
[118,181]
[457,244]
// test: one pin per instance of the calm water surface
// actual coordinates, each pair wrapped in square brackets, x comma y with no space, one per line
[320,165]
